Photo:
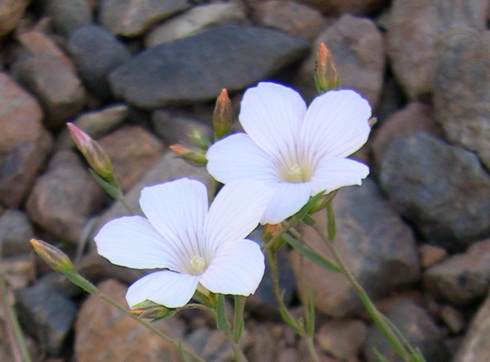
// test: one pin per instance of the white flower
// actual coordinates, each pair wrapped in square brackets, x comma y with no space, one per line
[298,151]
[191,244]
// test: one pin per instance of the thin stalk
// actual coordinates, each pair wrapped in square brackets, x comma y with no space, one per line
[14,330]
[92,289]
[239,355]
[238,323]
[375,314]
[310,344]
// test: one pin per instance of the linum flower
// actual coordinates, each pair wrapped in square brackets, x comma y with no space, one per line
[193,246]
[298,151]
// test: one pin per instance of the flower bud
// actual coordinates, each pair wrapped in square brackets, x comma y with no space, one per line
[323,202]
[195,158]
[270,231]
[326,75]
[222,116]
[151,310]
[199,140]
[97,158]
[54,257]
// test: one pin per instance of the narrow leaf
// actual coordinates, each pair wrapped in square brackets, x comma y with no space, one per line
[312,255]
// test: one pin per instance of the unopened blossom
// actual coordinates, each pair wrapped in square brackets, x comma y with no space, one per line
[190,244]
[296,150]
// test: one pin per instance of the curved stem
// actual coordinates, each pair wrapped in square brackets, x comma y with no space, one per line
[375,314]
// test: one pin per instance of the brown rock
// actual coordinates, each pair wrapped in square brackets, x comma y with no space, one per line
[342,338]
[10,13]
[133,151]
[475,346]
[412,41]
[24,144]
[104,333]
[358,49]
[361,7]
[462,278]
[415,117]
[64,197]
[453,318]
[431,254]
[295,19]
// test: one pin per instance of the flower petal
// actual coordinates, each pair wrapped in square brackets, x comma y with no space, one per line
[272,115]
[131,241]
[287,200]
[336,125]
[177,211]
[164,287]
[333,173]
[237,268]
[235,212]
[237,156]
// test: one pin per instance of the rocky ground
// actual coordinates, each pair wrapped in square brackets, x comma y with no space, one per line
[140,75]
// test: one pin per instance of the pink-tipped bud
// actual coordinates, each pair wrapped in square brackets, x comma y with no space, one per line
[54,257]
[222,116]
[326,75]
[271,231]
[195,158]
[95,155]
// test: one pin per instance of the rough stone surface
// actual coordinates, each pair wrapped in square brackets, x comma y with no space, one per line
[197,68]
[360,7]
[10,13]
[293,18]
[132,150]
[46,315]
[419,329]
[96,52]
[24,143]
[432,200]
[413,118]
[462,91]
[463,278]
[342,338]
[54,83]
[67,16]
[475,346]
[412,41]
[431,254]
[210,344]
[64,197]
[195,20]
[376,245]
[15,232]
[134,17]
[104,333]
[358,50]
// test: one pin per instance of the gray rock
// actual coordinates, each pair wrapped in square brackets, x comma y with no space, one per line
[64,197]
[133,17]
[377,246]
[419,329]
[197,68]
[67,15]
[442,189]
[46,315]
[15,232]
[295,19]
[475,345]
[412,40]
[360,7]
[463,278]
[342,338]
[96,52]
[196,20]
[462,91]
[358,49]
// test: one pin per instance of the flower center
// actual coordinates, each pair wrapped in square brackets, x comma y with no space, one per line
[198,265]
[296,174]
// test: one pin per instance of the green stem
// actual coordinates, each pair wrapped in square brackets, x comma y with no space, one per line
[238,323]
[83,283]
[14,330]
[375,314]
[311,348]
[239,355]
